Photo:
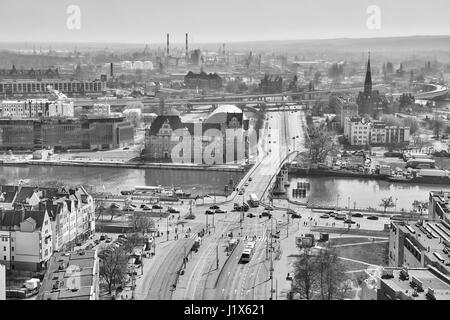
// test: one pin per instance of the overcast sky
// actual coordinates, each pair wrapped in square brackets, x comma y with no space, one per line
[147,21]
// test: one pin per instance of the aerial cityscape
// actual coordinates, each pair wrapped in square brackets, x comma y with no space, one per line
[156,159]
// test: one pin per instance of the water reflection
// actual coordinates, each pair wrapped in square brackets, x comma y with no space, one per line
[114,180]
[361,193]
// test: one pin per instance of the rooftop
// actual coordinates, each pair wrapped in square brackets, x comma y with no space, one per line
[71,276]
[416,286]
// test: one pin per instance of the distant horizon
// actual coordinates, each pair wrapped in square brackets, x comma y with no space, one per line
[228,41]
[207,21]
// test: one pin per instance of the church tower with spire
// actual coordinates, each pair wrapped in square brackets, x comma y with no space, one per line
[368,80]
[371,102]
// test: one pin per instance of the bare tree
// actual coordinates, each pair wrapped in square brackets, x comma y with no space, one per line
[332,275]
[113,267]
[420,205]
[305,281]
[142,223]
[320,143]
[387,203]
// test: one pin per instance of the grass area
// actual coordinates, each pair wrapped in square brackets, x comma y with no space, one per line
[339,241]
[373,253]
[350,265]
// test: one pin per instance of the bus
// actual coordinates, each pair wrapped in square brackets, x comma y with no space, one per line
[248,252]
[253,200]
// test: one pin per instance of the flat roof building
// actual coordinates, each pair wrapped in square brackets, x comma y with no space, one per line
[71,276]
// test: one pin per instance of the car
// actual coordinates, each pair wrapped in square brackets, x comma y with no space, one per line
[79,244]
[128,209]
[156,206]
[220,211]
[97,241]
[108,240]
[241,192]
[339,217]
[126,148]
[209,212]
[357,215]
[214,207]
[372,217]
[331,213]
[246,184]
[250,215]
[102,237]
[146,207]
[349,221]
[122,236]
[296,216]
[269,208]
[325,216]
[250,179]
[114,206]
[266,214]
[173,210]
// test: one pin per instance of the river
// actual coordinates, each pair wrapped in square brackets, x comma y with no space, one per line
[116,179]
[362,193]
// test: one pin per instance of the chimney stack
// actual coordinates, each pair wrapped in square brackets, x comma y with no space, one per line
[111,67]
[187,48]
[167,45]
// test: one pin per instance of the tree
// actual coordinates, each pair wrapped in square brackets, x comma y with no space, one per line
[305,281]
[420,205]
[142,223]
[387,203]
[320,143]
[133,240]
[113,210]
[319,275]
[438,126]
[412,123]
[332,275]
[113,267]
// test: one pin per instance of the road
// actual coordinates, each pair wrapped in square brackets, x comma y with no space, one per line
[283,135]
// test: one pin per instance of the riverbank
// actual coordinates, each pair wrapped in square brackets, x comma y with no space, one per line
[131,165]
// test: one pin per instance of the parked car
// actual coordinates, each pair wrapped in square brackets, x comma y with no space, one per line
[209,212]
[214,207]
[246,184]
[325,216]
[173,210]
[296,216]
[250,215]
[266,214]
[156,206]
[372,217]
[97,241]
[146,207]
[241,192]
[269,208]
[357,215]
[123,236]
[128,209]
[250,179]
[102,237]
[108,240]
[331,213]
[349,221]
[220,211]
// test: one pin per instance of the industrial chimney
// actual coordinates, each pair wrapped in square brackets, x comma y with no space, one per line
[167,44]
[111,67]
[187,48]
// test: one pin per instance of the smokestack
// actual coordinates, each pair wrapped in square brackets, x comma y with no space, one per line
[167,44]
[187,48]
[112,69]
